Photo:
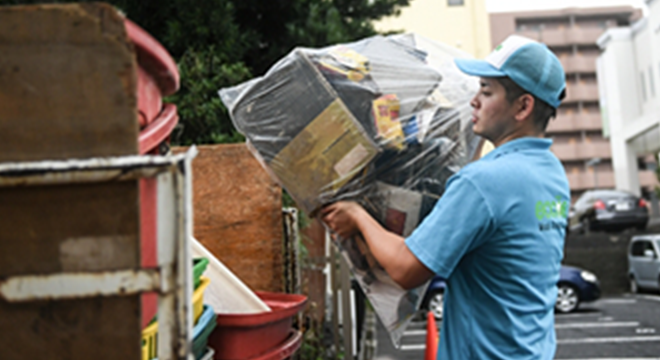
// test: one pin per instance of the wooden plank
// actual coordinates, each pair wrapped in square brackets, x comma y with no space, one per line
[68,90]
[238,214]
[91,227]
[67,83]
[99,328]
[46,230]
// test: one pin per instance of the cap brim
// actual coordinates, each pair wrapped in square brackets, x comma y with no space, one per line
[478,68]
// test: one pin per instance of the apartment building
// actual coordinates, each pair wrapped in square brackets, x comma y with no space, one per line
[577,131]
[629,65]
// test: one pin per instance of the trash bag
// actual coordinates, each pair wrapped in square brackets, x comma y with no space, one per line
[383,121]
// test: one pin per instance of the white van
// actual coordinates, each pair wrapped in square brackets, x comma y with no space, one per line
[644,263]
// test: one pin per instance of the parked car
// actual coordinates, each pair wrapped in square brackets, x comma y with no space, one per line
[643,262]
[574,287]
[609,210]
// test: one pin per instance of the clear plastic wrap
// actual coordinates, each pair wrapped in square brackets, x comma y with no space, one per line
[383,121]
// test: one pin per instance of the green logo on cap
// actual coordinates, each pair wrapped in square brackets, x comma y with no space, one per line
[498,47]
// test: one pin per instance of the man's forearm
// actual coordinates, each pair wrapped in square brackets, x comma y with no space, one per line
[392,253]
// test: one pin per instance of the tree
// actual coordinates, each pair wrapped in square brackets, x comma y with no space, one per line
[219,43]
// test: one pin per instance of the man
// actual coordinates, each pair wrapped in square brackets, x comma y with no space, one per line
[497,233]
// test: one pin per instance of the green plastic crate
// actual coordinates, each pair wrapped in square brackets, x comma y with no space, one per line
[199,266]
[202,331]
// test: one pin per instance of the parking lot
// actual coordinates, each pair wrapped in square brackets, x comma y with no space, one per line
[618,326]
[615,327]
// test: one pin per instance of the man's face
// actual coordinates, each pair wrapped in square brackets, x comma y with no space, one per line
[492,115]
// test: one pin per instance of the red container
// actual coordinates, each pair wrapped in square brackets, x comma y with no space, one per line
[154,59]
[157,76]
[259,336]
[284,350]
[150,100]
[150,137]
[158,130]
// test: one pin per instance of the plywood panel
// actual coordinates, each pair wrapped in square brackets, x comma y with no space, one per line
[238,214]
[67,83]
[83,227]
[100,329]
[68,90]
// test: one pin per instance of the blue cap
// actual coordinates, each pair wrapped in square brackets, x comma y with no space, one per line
[528,63]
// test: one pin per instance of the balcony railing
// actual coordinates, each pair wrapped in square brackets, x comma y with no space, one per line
[577,35]
[582,151]
[587,180]
[579,64]
[564,36]
[581,92]
[532,34]
[605,179]
[574,122]
[648,179]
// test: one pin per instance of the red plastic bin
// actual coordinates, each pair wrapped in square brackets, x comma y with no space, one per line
[153,57]
[150,100]
[157,76]
[158,130]
[259,336]
[150,137]
[283,351]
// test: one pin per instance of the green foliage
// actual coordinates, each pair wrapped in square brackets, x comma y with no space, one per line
[313,346]
[219,43]
[204,117]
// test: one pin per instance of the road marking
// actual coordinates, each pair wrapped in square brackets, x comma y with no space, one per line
[597,324]
[564,316]
[414,332]
[618,301]
[415,347]
[606,318]
[645,331]
[608,340]
[649,297]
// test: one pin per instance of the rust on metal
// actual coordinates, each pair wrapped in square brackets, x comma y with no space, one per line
[87,170]
[78,285]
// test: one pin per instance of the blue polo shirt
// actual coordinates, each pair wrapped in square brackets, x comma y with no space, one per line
[497,236]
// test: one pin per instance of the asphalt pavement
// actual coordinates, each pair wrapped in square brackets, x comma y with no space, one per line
[612,328]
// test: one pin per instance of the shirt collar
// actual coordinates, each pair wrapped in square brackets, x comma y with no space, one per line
[520,144]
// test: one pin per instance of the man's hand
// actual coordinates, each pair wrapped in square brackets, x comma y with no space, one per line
[348,218]
[342,217]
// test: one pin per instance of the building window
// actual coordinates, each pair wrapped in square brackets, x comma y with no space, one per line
[455,2]
[651,81]
[643,83]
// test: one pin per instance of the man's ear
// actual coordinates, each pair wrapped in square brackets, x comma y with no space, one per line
[525,107]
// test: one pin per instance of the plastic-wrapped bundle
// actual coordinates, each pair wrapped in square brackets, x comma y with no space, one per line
[382,121]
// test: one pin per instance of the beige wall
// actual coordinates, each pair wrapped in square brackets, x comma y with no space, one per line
[465,27]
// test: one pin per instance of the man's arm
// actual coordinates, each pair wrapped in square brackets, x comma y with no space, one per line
[348,218]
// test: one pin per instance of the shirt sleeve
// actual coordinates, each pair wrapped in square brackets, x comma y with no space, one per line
[461,221]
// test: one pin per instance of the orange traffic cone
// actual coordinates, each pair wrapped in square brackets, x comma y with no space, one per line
[432,338]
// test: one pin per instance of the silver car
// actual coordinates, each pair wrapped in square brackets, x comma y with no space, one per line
[644,263]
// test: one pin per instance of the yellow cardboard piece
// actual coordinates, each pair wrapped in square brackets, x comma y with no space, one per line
[323,157]
[385,110]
